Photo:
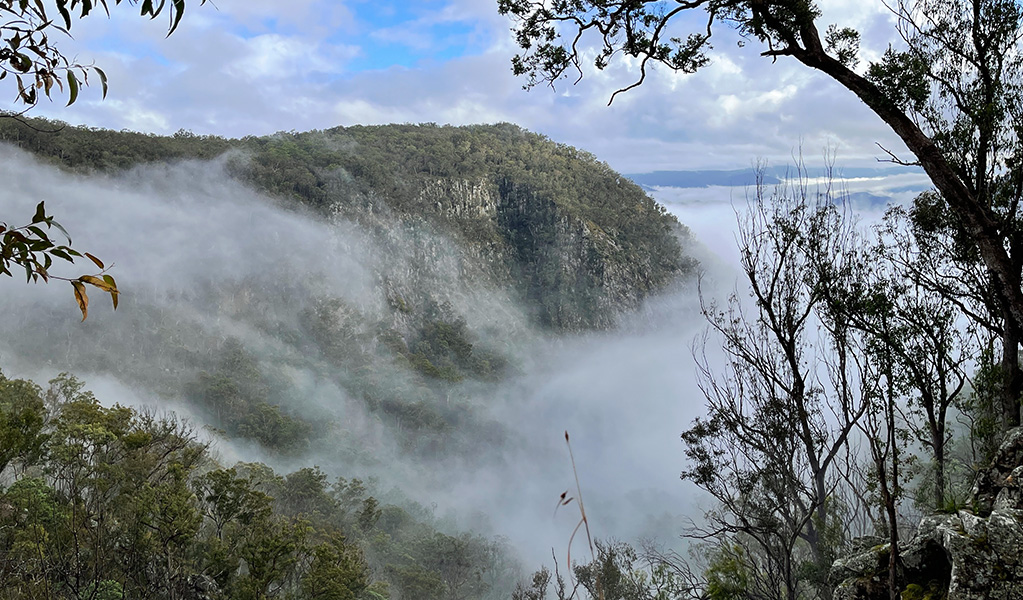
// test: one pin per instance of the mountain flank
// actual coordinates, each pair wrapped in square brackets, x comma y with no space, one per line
[578,243]
[409,266]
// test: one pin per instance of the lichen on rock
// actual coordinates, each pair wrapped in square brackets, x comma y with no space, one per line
[969,555]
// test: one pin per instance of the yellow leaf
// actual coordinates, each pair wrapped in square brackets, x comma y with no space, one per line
[81,297]
[98,262]
[96,281]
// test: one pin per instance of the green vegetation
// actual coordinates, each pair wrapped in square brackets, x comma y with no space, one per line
[235,397]
[110,503]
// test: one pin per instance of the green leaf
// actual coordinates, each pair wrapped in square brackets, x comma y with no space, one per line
[40,214]
[102,80]
[114,293]
[39,233]
[72,83]
[59,253]
[61,228]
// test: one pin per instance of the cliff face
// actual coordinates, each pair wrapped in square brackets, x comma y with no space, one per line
[576,243]
[974,554]
[576,275]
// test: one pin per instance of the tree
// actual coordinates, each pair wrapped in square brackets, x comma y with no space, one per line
[952,94]
[21,423]
[29,55]
[771,448]
[338,571]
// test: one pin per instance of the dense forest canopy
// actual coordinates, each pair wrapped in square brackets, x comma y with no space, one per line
[111,502]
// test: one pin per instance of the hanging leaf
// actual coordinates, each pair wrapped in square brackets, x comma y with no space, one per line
[95,260]
[72,84]
[177,11]
[115,292]
[81,297]
[102,80]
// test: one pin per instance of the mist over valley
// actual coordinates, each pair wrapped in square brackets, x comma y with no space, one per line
[437,351]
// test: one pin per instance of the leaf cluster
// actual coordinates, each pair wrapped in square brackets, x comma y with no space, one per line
[31,248]
[30,55]
[554,36]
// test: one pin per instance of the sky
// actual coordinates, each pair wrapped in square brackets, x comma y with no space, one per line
[253,67]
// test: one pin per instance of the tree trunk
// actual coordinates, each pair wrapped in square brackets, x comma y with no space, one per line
[938,443]
[1012,378]
[977,217]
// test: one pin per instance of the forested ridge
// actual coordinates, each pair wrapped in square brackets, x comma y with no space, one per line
[575,243]
[337,169]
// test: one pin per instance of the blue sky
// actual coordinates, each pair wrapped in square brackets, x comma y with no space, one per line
[246,67]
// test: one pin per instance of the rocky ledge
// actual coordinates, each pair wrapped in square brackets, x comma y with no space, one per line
[974,554]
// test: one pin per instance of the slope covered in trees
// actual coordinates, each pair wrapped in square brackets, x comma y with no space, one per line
[365,299]
[450,218]
[112,502]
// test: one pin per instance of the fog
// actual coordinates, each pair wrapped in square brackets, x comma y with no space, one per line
[201,258]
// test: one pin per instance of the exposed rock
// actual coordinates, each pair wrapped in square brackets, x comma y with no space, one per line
[998,486]
[969,555]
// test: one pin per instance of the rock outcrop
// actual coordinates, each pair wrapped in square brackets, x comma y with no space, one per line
[973,554]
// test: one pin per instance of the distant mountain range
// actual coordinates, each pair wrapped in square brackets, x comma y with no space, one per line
[745,177]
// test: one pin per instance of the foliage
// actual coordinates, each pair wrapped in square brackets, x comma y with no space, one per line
[110,502]
[624,573]
[21,423]
[235,397]
[30,247]
[35,61]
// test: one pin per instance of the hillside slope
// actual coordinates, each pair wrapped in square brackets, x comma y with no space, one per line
[406,265]
[578,242]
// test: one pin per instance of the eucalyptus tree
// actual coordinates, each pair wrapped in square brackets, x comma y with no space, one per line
[773,446]
[948,86]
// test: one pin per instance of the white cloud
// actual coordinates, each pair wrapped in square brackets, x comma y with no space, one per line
[273,56]
[254,68]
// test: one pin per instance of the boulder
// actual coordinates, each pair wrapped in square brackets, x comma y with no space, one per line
[969,555]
